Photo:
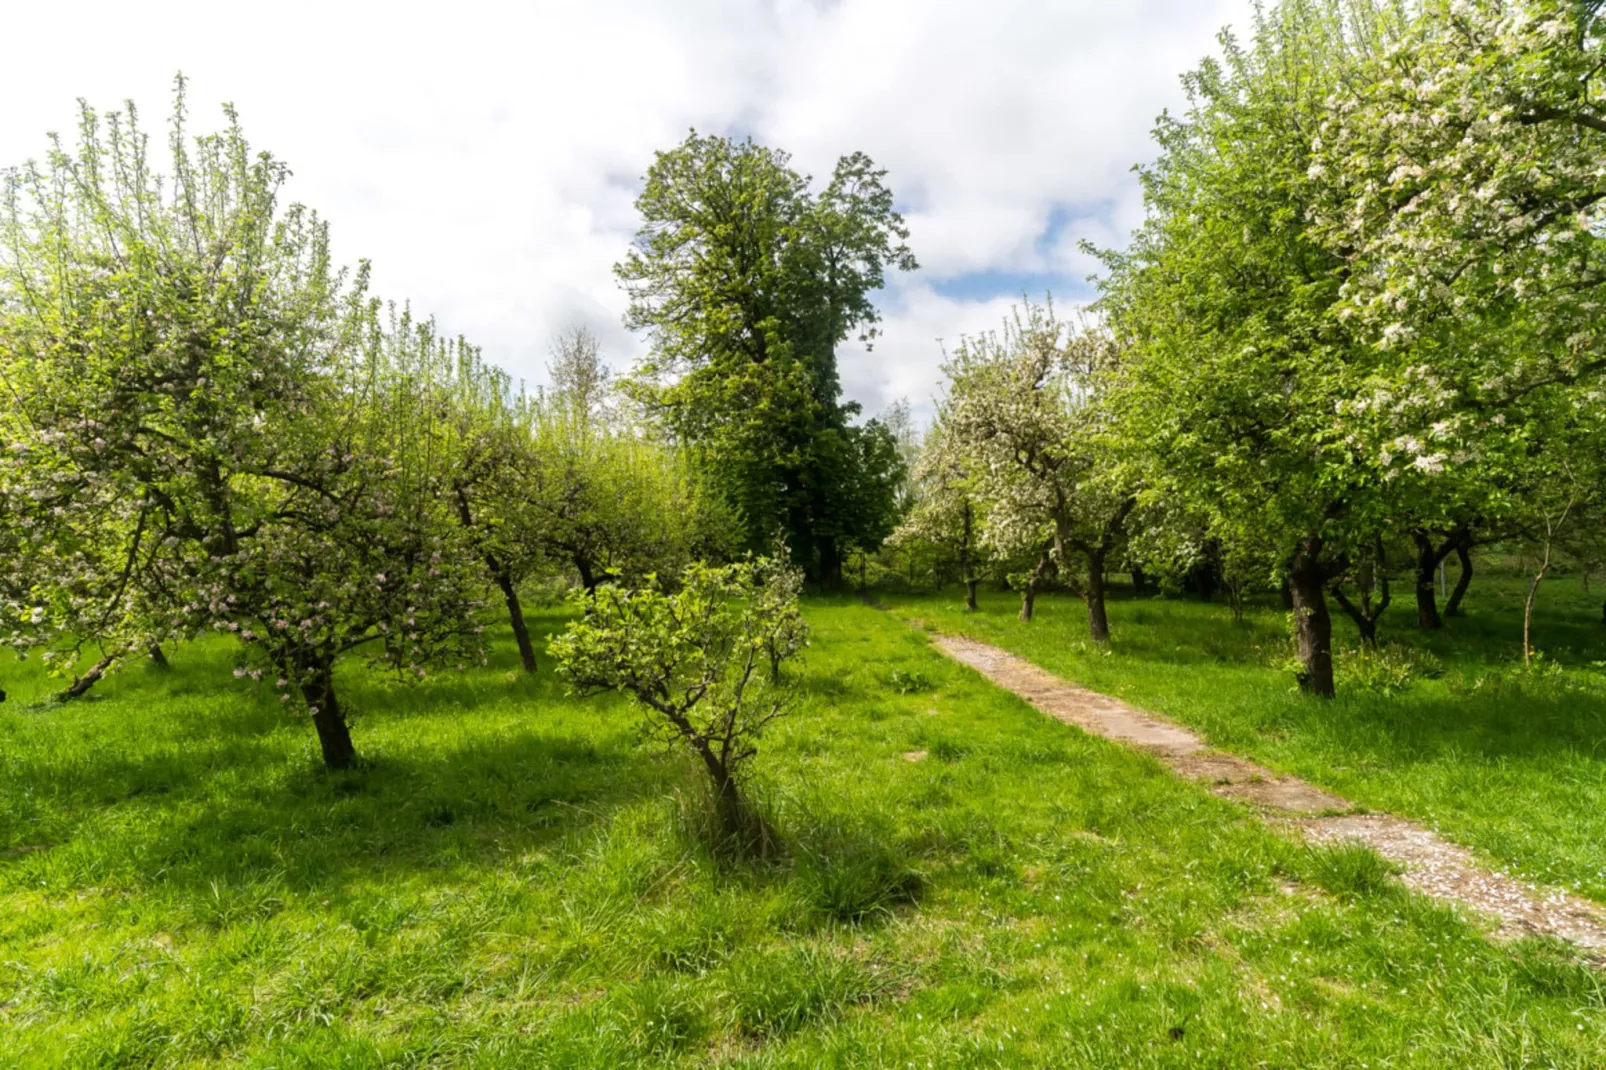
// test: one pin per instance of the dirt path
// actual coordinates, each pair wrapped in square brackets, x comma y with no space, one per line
[1431,865]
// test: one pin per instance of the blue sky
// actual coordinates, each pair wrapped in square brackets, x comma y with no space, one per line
[485,156]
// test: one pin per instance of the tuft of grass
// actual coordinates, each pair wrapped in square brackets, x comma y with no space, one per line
[776,992]
[1350,871]
[850,869]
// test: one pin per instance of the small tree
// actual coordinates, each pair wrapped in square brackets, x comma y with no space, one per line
[945,512]
[693,660]
[582,382]
[1371,578]
[492,465]
[608,500]
[1027,407]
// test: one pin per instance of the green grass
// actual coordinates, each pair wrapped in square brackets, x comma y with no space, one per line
[514,881]
[1446,727]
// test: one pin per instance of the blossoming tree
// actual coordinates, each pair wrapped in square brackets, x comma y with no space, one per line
[232,421]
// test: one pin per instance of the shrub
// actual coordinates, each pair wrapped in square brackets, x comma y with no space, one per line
[691,659]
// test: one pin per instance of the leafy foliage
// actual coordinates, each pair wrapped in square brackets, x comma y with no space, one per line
[745,282]
[692,659]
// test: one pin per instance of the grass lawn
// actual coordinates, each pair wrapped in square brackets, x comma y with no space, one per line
[1511,762]
[515,880]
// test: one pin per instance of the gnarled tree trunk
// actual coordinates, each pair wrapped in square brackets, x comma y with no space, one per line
[1427,565]
[89,679]
[1028,599]
[159,657]
[1313,627]
[1098,619]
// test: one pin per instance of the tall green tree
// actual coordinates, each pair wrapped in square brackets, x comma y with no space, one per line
[746,281]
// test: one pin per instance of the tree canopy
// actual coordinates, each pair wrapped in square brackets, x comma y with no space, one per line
[745,281]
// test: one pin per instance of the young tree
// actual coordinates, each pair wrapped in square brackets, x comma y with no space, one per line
[945,512]
[693,660]
[582,382]
[1371,578]
[609,501]
[746,281]
[492,460]
[1026,404]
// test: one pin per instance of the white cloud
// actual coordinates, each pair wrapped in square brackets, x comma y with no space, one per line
[485,156]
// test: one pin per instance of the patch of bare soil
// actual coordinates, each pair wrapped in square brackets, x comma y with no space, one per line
[1431,865]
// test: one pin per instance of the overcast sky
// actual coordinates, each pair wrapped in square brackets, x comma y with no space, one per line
[486,156]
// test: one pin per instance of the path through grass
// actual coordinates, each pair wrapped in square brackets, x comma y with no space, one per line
[1507,761]
[513,883]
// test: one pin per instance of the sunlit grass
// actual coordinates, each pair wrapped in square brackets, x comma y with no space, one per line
[517,879]
[1447,727]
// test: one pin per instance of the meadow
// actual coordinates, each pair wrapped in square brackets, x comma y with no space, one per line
[1448,727]
[515,878]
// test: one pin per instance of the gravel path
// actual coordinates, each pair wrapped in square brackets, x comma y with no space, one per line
[1432,866]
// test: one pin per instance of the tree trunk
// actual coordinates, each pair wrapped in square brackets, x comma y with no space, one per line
[333,735]
[1313,627]
[88,680]
[158,657]
[736,823]
[1286,594]
[588,579]
[515,613]
[970,594]
[1098,620]
[1028,599]
[831,564]
[1140,581]
[1364,624]
[1463,552]
[1427,564]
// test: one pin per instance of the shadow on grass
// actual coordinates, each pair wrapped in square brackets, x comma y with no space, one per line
[220,784]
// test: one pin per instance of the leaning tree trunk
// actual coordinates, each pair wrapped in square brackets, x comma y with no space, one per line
[1098,619]
[515,613]
[159,657]
[1313,627]
[1463,553]
[1364,623]
[1028,599]
[333,735]
[89,679]
[1427,603]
